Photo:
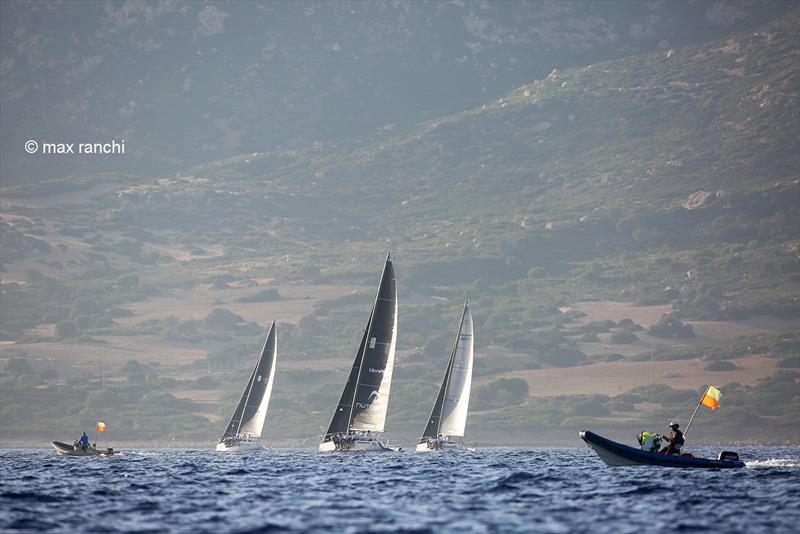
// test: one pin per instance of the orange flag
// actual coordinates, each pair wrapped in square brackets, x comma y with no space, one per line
[711,397]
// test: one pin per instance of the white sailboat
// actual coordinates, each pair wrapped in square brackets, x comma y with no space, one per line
[360,416]
[448,418]
[243,432]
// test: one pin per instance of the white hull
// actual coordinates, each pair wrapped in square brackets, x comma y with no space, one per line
[359,446]
[445,447]
[242,446]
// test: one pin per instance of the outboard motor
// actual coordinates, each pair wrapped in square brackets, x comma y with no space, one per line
[729,456]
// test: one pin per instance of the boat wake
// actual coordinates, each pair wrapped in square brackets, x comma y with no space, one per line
[772,462]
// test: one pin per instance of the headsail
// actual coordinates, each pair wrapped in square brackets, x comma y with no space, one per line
[251,412]
[365,398]
[340,421]
[449,414]
[432,428]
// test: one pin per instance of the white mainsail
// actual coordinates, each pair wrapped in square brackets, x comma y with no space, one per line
[449,414]
[456,398]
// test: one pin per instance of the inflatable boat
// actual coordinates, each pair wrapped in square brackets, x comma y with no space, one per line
[616,454]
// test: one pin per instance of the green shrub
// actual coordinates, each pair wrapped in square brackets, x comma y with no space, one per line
[502,392]
[622,338]
[790,362]
[19,366]
[265,295]
[670,326]
[66,329]
[721,365]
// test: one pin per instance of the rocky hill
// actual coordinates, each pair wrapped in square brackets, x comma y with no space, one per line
[664,184]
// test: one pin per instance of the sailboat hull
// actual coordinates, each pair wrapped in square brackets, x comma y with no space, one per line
[242,446]
[360,446]
[444,447]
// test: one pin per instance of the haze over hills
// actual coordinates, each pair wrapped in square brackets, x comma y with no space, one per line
[626,230]
[188,82]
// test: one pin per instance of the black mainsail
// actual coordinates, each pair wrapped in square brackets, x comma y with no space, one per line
[365,397]
[251,412]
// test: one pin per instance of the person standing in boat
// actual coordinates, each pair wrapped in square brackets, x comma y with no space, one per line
[84,442]
[675,441]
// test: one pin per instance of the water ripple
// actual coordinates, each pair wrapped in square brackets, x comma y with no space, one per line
[492,490]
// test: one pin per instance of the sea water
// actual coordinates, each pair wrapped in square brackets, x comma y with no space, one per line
[491,490]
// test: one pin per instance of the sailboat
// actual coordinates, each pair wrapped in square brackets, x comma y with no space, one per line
[449,415]
[243,432]
[359,417]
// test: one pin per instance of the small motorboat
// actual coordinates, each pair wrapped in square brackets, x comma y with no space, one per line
[616,454]
[76,450]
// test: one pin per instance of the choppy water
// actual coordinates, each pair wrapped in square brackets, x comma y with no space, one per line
[492,490]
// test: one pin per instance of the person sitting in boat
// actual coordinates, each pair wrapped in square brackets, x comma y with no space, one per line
[84,442]
[648,441]
[675,440]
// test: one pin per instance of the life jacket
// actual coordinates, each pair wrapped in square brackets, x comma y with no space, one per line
[647,441]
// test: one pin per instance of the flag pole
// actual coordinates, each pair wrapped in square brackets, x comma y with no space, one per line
[695,413]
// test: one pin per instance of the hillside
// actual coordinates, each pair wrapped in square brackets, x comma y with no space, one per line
[186,82]
[662,186]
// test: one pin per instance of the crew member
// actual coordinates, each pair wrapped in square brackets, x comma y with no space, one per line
[649,441]
[84,441]
[675,441]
